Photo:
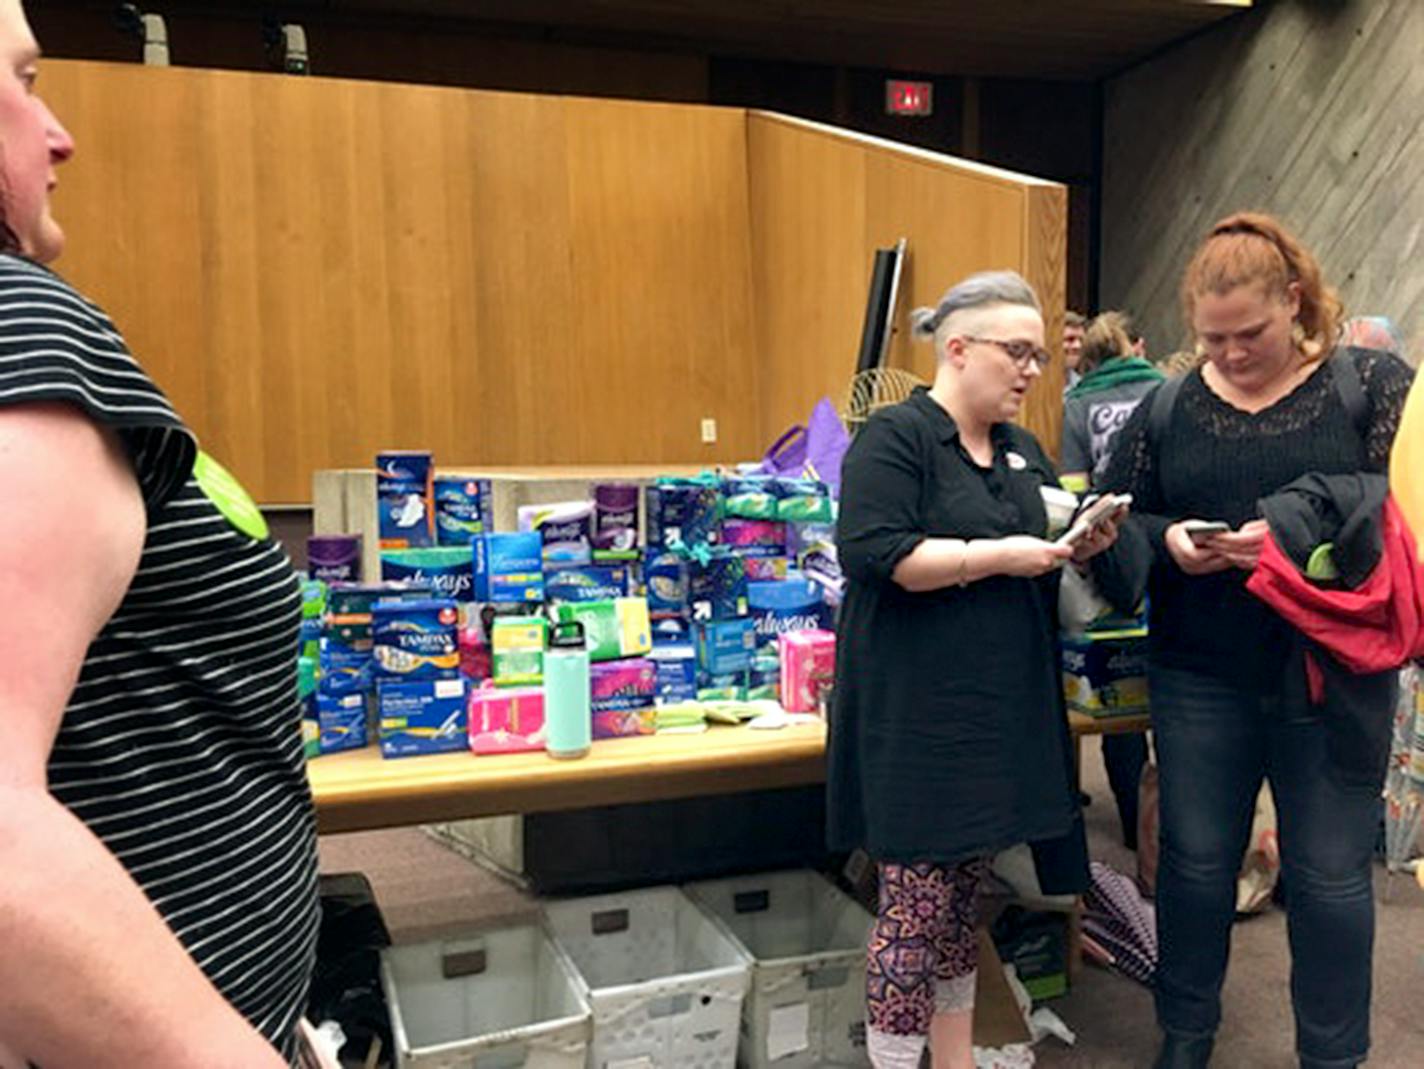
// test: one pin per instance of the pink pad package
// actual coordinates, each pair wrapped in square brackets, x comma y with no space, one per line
[506,719]
[808,667]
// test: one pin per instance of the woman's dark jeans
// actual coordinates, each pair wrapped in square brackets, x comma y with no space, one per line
[1214,743]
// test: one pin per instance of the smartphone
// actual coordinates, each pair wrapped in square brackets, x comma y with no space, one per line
[1202,531]
[1093,513]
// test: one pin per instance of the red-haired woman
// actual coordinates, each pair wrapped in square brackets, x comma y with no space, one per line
[1268,403]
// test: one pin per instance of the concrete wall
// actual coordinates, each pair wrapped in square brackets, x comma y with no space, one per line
[1309,109]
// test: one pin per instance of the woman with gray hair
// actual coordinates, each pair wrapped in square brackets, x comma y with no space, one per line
[949,741]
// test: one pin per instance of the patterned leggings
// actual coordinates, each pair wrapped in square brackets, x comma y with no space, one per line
[923,950]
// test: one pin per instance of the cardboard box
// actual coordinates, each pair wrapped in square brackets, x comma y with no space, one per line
[614,628]
[517,646]
[1036,944]
[724,647]
[422,717]
[808,668]
[509,567]
[1105,673]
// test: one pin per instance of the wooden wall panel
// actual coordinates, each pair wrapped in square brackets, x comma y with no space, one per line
[1045,260]
[661,301]
[316,270]
[809,265]
[1314,112]
[823,201]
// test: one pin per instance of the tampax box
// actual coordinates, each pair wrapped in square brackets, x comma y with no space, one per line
[422,717]
[509,566]
[415,639]
[808,667]
[463,509]
[625,684]
[506,719]
[341,721]
[595,582]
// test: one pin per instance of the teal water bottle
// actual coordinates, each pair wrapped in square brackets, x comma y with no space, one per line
[568,721]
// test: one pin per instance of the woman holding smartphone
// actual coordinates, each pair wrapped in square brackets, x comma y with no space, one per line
[949,741]
[1269,403]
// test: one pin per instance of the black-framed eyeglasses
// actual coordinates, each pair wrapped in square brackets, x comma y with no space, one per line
[1020,352]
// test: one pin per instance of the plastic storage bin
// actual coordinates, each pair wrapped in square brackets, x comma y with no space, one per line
[806,1006]
[505,998]
[665,981]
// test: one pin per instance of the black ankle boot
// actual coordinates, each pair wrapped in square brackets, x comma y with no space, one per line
[1180,1053]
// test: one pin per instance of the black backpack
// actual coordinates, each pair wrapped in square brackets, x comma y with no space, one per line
[1344,372]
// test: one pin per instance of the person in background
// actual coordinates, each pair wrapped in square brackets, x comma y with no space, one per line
[1181,362]
[1074,325]
[1114,381]
[949,739]
[1139,343]
[1226,672]
[158,906]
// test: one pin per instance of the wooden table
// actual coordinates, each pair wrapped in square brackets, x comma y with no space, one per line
[1081,724]
[359,789]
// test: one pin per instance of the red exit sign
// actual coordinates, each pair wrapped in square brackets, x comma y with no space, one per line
[908,98]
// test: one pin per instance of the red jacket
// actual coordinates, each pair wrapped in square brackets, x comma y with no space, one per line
[1376,626]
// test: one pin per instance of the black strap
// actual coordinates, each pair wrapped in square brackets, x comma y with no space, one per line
[1344,373]
[1164,398]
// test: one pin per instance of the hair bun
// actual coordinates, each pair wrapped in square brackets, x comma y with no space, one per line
[923,322]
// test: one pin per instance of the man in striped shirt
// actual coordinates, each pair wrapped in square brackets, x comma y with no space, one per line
[157,853]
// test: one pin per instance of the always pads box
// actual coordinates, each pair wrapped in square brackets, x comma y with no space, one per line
[808,668]
[791,604]
[1105,673]
[421,717]
[405,501]
[447,570]
[565,530]
[614,628]
[506,719]
[509,567]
